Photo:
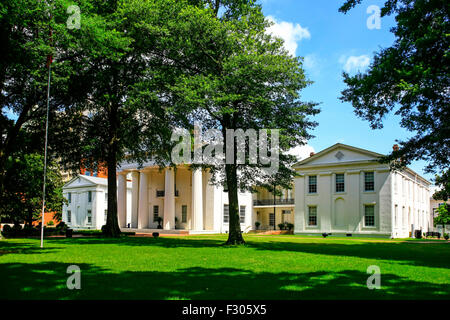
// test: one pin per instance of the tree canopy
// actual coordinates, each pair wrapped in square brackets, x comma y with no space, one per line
[245,80]
[410,79]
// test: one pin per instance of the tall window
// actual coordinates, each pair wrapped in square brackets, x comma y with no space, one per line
[89,217]
[271,219]
[226,213]
[369,181]
[69,196]
[155,213]
[89,196]
[242,214]
[69,216]
[340,184]
[312,216]
[183,213]
[369,215]
[312,184]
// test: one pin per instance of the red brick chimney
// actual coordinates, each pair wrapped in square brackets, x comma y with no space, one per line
[395,147]
[311,154]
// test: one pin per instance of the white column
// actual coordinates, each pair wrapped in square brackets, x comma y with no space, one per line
[122,200]
[134,199]
[197,200]
[143,201]
[169,200]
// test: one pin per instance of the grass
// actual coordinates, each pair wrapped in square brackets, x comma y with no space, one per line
[200,267]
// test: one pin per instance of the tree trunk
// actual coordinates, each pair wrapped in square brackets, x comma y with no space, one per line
[30,217]
[112,222]
[234,233]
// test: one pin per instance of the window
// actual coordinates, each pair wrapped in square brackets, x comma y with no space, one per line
[340,185]
[226,213]
[286,211]
[183,213]
[272,219]
[89,196]
[69,216]
[369,216]
[89,217]
[160,193]
[106,214]
[369,181]
[106,196]
[312,184]
[312,216]
[69,196]
[242,214]
[155,213]
[395,183]
[395,217]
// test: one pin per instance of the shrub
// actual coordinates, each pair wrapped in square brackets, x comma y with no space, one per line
[446,236]
[104,229]
[7,231]
[62,226]
[28,230]
[257,224]
[289,226]
[281,226]
[418,234]
[50,223]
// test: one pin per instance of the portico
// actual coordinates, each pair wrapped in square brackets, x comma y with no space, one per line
[170,198]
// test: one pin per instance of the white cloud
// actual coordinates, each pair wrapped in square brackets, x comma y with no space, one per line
[355,63]
[310,62]
[289,32]
[301,152]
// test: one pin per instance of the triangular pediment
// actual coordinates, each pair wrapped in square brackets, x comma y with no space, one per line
[339,153]
[83,181]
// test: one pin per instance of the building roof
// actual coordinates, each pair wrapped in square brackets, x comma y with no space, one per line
[369,154]
[334,147]
[90,181]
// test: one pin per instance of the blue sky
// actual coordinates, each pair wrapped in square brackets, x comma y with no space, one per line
[330,42]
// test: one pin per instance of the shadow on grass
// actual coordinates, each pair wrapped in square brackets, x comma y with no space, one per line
[427,255]
[9,247]
[48,281]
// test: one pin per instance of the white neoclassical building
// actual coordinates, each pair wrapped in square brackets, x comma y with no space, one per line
[88,202]
[344,190]
[182,198]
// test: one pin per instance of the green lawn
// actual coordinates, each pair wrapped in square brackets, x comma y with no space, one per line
[199,267]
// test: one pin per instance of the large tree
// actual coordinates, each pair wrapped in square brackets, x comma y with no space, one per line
[244,79]
[22,193]
[24,37]
[115,85]
[411,79]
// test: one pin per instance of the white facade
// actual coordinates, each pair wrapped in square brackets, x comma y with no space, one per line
[344,190]
[184,199]
[88,202]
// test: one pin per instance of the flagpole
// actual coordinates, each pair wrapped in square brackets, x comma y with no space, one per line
[45,154]
[49,66]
